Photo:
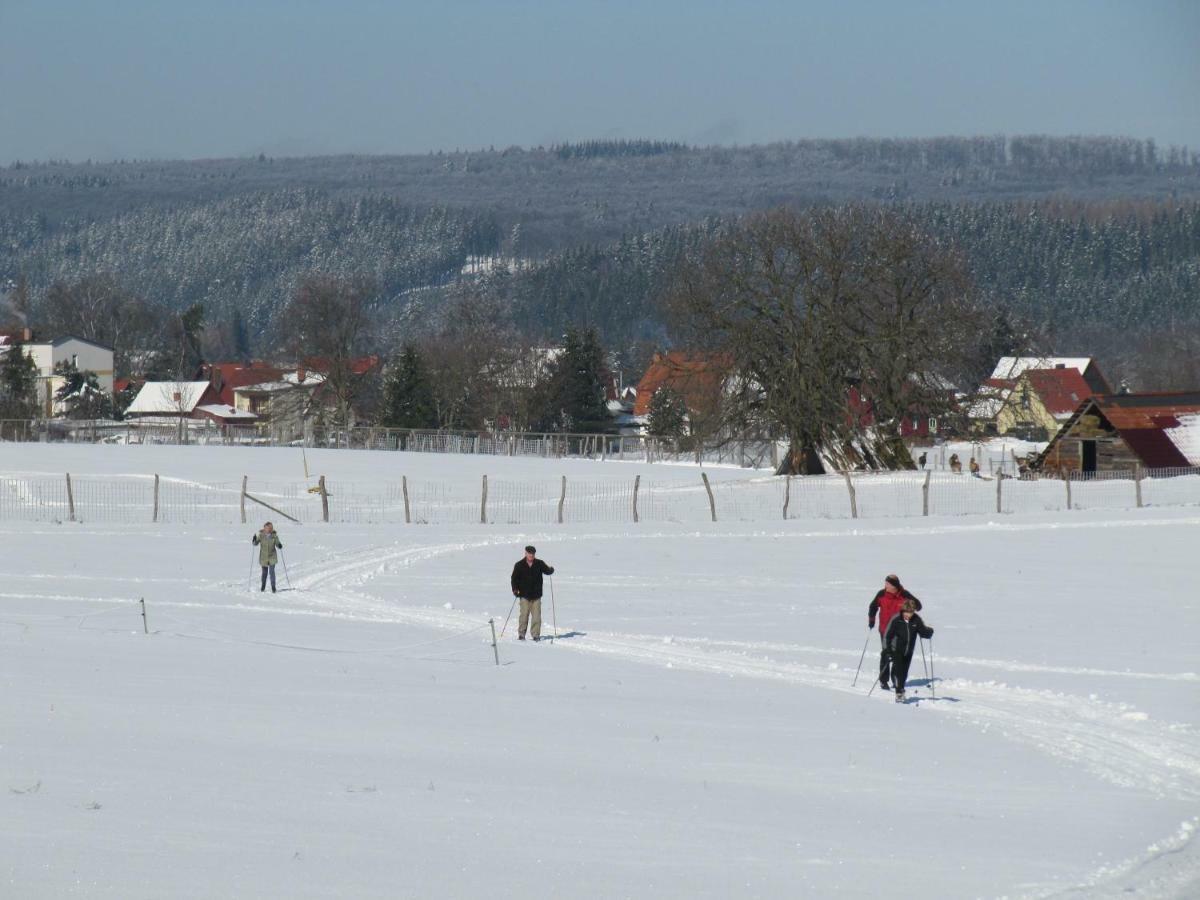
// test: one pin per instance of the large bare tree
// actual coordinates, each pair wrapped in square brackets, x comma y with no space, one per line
[327,325]
[838,321]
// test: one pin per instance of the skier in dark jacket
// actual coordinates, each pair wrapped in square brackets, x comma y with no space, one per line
[268,543]
[885,606]
[900,640]
[527,584]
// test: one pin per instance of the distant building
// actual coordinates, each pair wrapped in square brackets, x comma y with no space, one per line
[1010,368]
[1122,431]
[84,355]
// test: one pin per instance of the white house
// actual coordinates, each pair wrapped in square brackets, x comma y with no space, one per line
[86,356]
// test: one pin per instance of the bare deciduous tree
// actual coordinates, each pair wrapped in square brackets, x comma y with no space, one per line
[813,308]
[327,324]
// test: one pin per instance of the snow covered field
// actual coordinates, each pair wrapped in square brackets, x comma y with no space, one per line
[693,732]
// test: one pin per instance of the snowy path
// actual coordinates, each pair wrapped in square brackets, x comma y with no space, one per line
[1110,740]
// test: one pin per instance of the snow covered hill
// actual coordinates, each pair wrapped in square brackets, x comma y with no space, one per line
[692,732]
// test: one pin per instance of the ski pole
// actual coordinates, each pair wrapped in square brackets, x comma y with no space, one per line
[283,559]
[861,658]
[923,665]
[509,616]
[553,609]
[932,679]
[250,578]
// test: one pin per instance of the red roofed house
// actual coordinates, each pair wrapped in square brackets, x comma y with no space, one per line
[698,380]
[1123,431]
[1040,401]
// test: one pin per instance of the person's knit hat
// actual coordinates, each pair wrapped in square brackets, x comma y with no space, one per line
[530,549]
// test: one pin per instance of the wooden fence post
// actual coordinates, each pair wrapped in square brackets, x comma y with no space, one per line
[999,481]
[853,500]
[712,504]
[1137,483]
[324,498]
[404,487]
[483,504]
[70,499]
[562,498]
[925,493]
[787,494]
[1067,482]
[244,478]
[156,497]
[637,481]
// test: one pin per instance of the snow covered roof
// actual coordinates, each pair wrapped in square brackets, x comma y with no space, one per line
[1186,437]
[1010,367]
[227,412]
[309,379]
[167,397]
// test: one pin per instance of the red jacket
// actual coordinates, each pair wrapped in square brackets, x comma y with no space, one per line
[886,606]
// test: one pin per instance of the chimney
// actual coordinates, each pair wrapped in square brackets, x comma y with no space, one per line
[26,335]
[176,396]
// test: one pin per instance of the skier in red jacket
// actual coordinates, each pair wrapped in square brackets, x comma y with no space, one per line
[885,606]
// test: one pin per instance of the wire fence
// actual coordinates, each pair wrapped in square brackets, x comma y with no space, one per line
[749,453]
[134,499]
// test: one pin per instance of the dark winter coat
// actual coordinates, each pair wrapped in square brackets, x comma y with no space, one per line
[886,605]
[267,545]
[527,579]
[901,637]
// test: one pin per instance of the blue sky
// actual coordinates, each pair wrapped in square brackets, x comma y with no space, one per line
[211,78]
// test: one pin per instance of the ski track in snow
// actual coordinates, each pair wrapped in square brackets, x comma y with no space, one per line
[1110,740]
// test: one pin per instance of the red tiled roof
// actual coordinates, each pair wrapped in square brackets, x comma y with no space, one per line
[697,379]
[1061,390]
[231,375]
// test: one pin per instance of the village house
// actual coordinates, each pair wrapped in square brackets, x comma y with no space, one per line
[1010,368]
[177,400]
[84,355]
[1126,431]
[1037,404]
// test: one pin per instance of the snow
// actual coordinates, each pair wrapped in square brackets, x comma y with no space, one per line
[693,732]
[1011,367]
[159,397]
[1186,438]
[227,412]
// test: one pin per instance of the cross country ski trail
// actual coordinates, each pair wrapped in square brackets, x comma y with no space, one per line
[1110,740]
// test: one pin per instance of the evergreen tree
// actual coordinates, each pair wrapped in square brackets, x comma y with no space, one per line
[80,394]
[408,393]
[18,382]
[668,415]
[575,400]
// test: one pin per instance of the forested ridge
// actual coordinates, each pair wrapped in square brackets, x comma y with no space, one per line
[1093,242]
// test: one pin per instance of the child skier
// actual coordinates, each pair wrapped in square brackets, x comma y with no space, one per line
[899,641]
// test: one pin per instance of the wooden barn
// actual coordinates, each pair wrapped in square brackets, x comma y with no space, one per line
[1126,431]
